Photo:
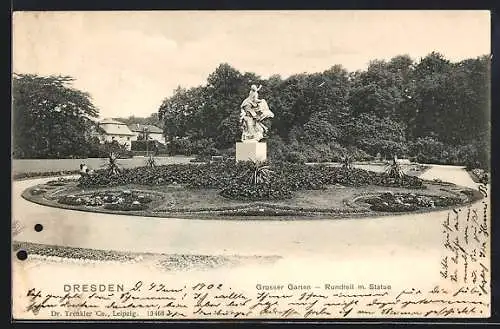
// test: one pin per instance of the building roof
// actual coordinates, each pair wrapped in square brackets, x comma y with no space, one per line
[112,127]
[140,128]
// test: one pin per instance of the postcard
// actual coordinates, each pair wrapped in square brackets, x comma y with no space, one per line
[208,165]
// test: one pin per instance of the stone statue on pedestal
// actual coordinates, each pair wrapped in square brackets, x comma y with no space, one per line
[254,115]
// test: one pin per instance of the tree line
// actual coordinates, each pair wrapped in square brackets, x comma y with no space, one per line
[433,110]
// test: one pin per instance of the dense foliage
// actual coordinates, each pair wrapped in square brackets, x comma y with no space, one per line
[401,202]
[238,180]
[431,110]
[51,118]
[111,200]
[398,107]
[151,120]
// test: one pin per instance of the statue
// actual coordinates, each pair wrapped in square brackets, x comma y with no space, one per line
[253,116]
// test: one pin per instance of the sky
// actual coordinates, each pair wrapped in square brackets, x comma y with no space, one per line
[130,61]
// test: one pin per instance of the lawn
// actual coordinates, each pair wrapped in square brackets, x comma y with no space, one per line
[337,197]
[20,166]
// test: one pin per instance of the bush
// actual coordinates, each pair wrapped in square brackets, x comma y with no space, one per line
[318,153]
[277,148]
[255,192]
[98,150]
[295,157]
[150,145]
[184,146]
[295,176]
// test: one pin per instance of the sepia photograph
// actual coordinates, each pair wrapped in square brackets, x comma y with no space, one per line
[240,165]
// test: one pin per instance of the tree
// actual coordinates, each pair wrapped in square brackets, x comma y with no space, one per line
[376,135]
[179,113]
[152,119]
[51,118]
[383,88]
[384,109]
[318,130]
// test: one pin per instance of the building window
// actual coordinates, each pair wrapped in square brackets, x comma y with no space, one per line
[128,138]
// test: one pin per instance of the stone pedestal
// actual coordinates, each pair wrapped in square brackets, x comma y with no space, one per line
[248,151]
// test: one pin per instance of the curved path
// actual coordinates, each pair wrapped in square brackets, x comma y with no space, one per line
[400,233]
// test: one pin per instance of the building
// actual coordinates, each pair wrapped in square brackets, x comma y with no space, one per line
[110,130]
[153,132]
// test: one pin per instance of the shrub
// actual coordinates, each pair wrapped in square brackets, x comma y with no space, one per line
[258,173]
[183,146]
[112,168]
[254,192]
[295,157]
[151,146]
[98,150]
[151,162]
[294,176]
[347,162]
[395,171]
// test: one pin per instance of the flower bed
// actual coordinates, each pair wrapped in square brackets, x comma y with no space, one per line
[402,202]
[134,206]
[73,200]
[229,174]
[183,202]
[38,191]
[113,200]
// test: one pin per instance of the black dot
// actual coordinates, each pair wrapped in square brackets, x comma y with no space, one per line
[38,227]
[22,255]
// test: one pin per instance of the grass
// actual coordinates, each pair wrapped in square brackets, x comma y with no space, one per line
[333,197]
[27,166]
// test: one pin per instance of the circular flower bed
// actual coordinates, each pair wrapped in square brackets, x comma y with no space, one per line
[113,200]
[401,202]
